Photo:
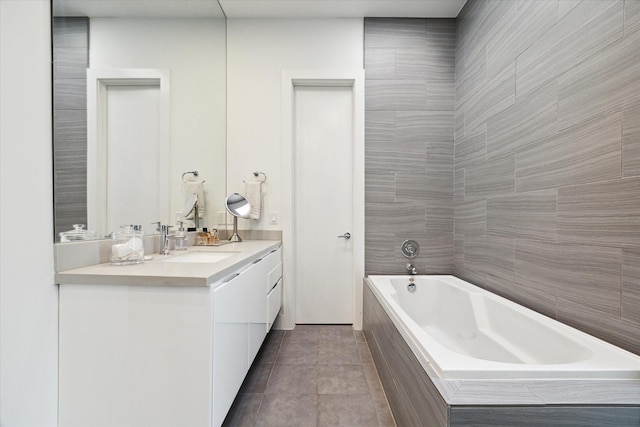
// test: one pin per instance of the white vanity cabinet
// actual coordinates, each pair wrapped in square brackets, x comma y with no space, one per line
[161,355]
[240,325]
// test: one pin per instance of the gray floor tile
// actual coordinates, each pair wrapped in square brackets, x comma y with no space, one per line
[315,375]
[346,410]
[337,333]
[287,379]
[298,352]
[342,379]
[281,411]
[337,352]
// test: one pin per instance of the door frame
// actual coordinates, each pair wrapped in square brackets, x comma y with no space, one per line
[321,78]
[98,82]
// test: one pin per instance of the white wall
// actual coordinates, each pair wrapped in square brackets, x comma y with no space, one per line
[257,52]
[194,52]
[28,295]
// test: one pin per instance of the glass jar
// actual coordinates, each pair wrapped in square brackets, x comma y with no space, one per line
[78,233]
[127,246]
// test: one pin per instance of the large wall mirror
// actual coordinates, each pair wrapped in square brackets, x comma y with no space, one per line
[155,110]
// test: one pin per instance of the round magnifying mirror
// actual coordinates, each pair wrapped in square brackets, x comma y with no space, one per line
[238,206]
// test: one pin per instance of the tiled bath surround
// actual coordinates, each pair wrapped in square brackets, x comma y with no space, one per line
[409,124]
[547,184]
[545,155]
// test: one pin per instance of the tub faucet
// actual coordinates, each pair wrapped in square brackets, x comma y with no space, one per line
[411,269]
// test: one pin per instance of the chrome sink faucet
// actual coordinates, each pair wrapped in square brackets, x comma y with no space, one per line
[411,269]
[164,237]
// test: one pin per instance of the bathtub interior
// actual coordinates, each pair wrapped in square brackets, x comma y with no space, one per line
[474,325]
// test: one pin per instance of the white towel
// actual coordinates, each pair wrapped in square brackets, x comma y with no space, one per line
[253,194]
[197,187]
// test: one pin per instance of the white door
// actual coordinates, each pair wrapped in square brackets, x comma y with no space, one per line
[323,200]
[133,156]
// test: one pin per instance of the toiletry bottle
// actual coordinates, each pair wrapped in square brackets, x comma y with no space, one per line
[181,237]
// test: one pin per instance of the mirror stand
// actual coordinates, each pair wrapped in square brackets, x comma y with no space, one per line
[234,237]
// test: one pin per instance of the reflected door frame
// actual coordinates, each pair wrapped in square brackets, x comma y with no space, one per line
[98,83]
[338,78]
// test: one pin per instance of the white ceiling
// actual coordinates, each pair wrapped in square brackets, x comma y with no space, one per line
[260,8]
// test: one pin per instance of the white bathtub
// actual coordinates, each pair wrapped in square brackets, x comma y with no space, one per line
[460,331]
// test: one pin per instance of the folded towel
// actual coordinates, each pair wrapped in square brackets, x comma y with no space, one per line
[253,194]
[197,187]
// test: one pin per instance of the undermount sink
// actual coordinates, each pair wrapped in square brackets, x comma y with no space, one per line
[200,257]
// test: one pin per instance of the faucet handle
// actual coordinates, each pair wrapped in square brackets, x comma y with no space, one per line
[158,224]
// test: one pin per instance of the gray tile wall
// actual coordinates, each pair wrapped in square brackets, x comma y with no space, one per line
[547,159]
[409,115]
[70,61]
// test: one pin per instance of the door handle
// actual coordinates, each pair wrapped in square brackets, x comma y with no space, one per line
[345,236]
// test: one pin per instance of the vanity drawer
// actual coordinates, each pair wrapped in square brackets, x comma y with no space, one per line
[274,302]
[274,276]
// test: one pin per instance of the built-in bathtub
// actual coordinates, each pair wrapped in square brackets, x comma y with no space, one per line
[462,331]
[453,354]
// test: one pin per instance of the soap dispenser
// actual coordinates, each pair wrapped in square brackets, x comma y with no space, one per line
[180,237]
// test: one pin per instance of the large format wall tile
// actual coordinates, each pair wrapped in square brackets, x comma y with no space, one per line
[70,126]
[424,126]
[603,213]
[531,118]
[491,177]
[409,127]
[530,215]
[395,95]
[531,19]
[585,153]
[395,33]
[70,94]
[592,26]
[498,94]
[380,64]
[631,16]
[71,32]
[574,128]
[620,332]
[70,61]
[588,275]
[471,149]
[470,217]
[602,84]
[631,285]
[491,255]
[631,142]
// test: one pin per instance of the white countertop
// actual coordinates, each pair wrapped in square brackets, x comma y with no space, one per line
[157,272]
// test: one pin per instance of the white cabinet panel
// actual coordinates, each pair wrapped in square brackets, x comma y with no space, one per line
[230,342]
[257,307]
[133,356]
[274,302]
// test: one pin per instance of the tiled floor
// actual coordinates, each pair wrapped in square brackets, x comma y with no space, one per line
[315,376]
